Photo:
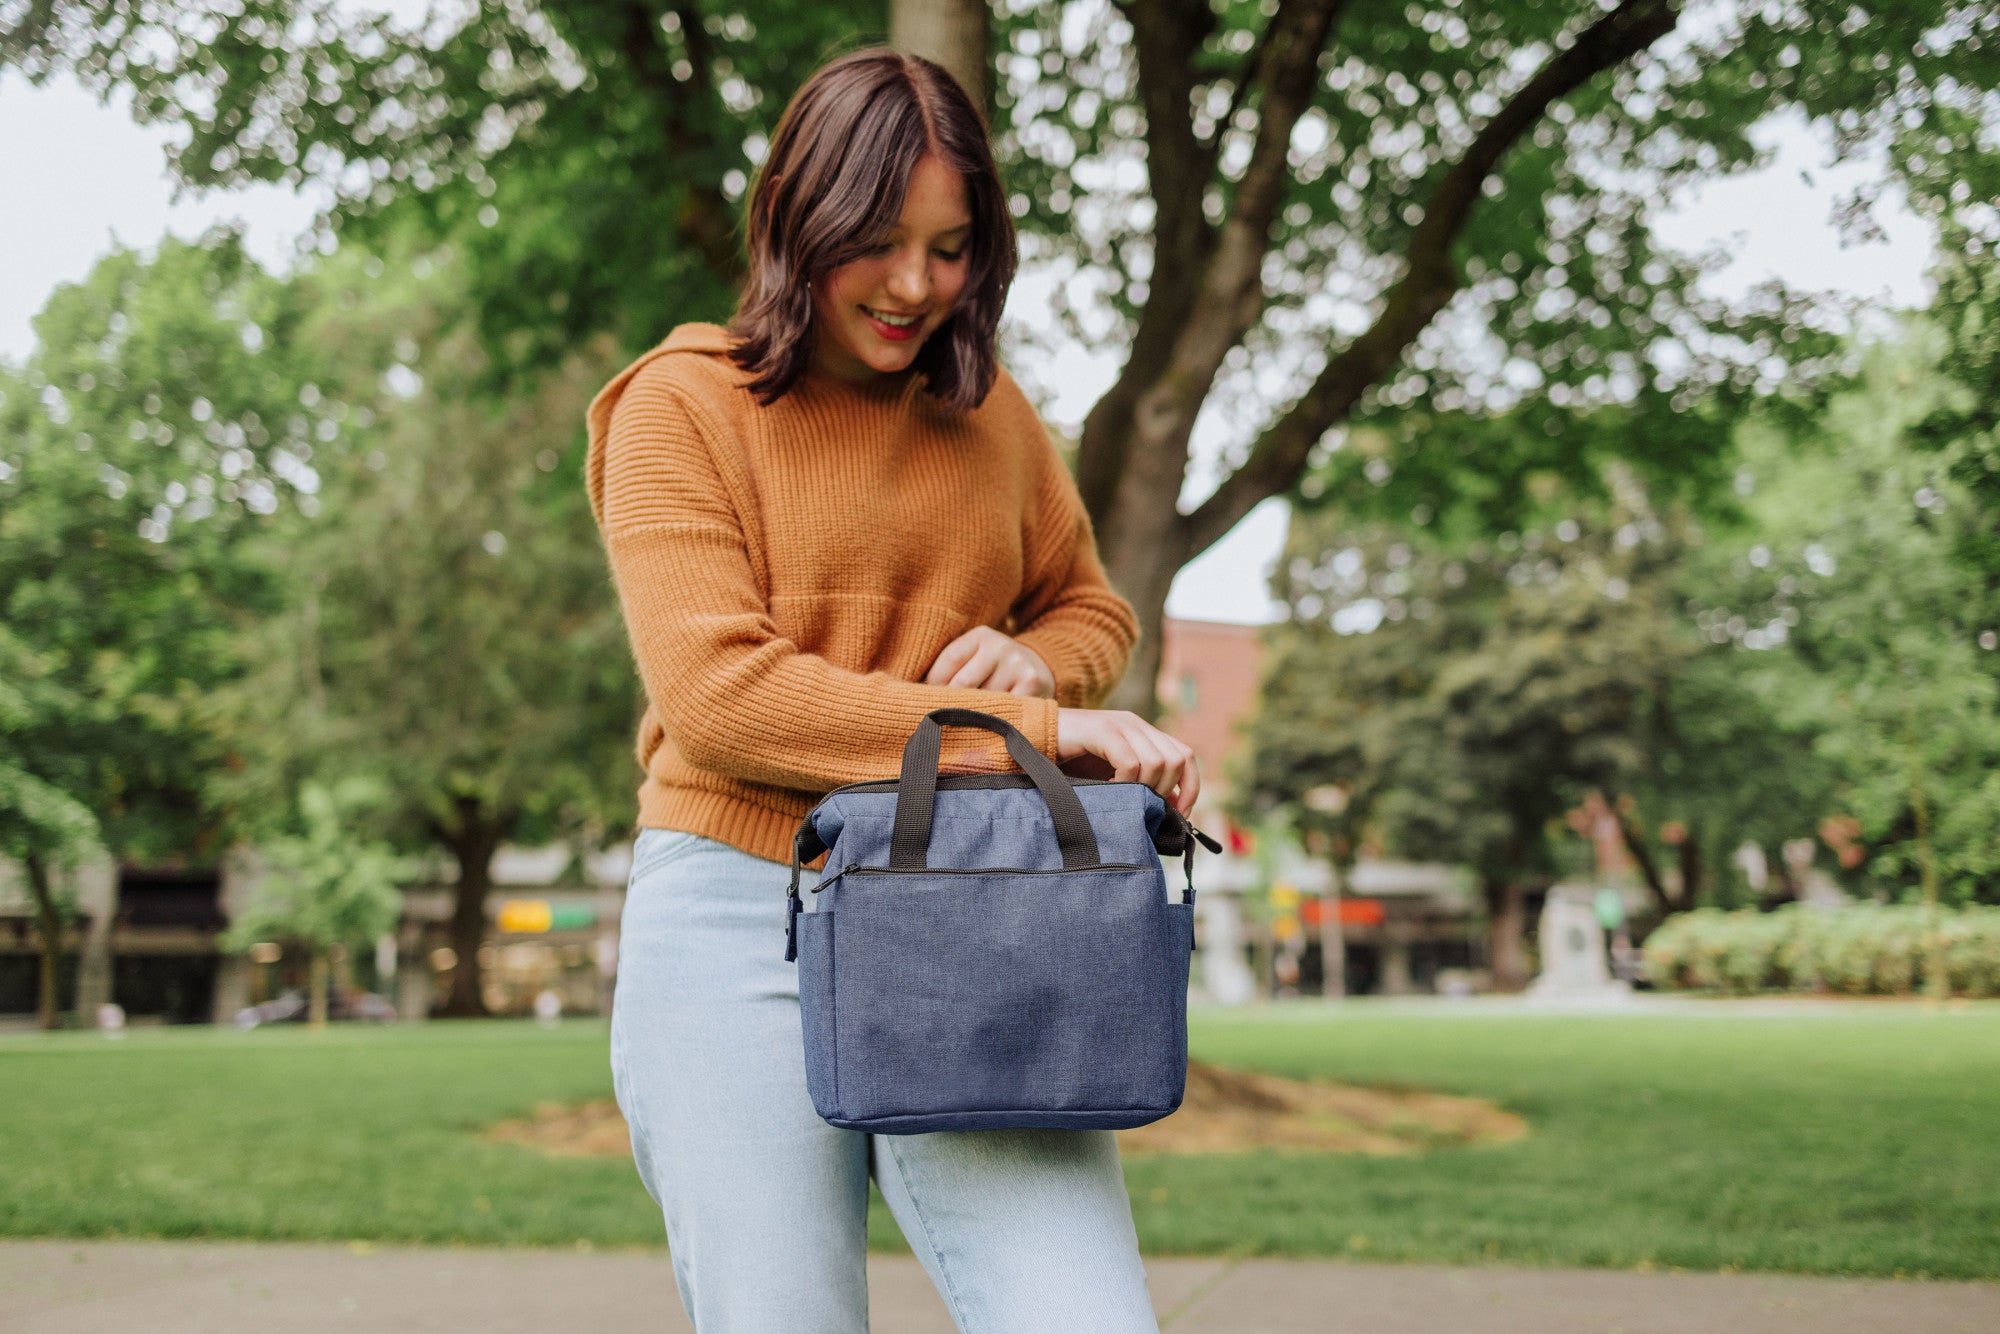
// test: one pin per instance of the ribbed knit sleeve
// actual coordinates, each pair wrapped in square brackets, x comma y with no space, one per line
[1068,611]
[733,694]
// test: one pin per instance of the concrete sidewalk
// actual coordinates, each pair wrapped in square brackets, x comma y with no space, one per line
[65,1287]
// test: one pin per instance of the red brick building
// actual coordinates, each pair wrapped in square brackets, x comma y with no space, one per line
[1400,927]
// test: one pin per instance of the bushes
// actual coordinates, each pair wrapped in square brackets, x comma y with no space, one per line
[1860,950]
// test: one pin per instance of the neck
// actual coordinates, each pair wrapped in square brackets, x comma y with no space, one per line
[865,379]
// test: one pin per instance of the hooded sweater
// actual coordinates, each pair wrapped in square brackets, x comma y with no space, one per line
[789,573]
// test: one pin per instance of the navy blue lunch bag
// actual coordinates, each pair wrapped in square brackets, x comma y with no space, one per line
[992,950]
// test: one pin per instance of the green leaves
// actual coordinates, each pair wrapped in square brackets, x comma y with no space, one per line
[143,443]
[1823,652]
[329,886]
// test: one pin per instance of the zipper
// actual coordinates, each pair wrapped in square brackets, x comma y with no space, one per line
[856,868]
[890,785]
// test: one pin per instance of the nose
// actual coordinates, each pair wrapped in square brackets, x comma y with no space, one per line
[909,280]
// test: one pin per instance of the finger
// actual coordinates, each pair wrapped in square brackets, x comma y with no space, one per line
[1190,784]
[1026,683]
[977,672]
[1114,749]
[1152,761]
[950,659]
[1030,675]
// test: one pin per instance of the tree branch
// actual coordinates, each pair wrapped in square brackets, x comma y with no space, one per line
[1430,280]
[1642,857]
[1166,36]
[1209,291]
[706,221]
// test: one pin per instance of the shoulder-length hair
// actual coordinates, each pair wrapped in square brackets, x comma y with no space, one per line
[832,187]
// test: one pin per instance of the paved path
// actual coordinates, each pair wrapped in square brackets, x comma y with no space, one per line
[66,1287]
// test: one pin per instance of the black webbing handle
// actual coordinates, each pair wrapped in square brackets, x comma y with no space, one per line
[916,791]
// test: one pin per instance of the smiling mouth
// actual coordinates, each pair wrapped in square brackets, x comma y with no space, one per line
[900,321]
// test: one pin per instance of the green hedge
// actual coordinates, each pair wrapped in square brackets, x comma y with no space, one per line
[1858,950]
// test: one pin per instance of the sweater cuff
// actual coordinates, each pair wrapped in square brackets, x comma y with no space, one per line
[1039,718]
[1072,664]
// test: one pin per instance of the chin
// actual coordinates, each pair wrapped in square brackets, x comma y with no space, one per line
[889,361]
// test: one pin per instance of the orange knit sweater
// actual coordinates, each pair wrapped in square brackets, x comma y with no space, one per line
[789,573]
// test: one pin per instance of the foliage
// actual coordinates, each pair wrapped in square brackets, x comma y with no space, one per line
[1963,428]
[1464,695]
[1848,566]
[1861,950]
[36,816]
[585,155]
[448,623]
[183,648]
[156,428]
[327,887]
[1447,206]
[1821,655]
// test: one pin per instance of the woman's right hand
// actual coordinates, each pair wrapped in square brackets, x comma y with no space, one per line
[1133,749]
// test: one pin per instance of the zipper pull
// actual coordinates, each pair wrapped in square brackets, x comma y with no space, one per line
[851,866]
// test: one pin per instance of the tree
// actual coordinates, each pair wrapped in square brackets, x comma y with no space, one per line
[1429,220]
[1865,560]
[1462,696]
[1962,429]
[448,626]
[325,890]
[40,823]
[957,34]
[152,432]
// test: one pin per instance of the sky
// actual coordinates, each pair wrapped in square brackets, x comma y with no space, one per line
[84,178]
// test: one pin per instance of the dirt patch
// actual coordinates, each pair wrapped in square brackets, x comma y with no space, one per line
[571,1130]
[1223,1110]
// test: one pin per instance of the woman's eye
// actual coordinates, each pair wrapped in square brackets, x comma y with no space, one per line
[954,255]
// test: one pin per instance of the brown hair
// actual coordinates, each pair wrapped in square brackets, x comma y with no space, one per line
[832,187]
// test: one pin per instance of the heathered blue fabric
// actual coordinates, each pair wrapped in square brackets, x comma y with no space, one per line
[935,1000]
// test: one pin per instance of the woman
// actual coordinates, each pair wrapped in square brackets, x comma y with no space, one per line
[825,521]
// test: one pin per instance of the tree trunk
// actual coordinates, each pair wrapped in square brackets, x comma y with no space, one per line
[1333,936]
[1691,876]
[1642,857]
[48,931]
[472,841]
[1937,975]
[1143,577]
[954,33]
[1507,933]
[316,989]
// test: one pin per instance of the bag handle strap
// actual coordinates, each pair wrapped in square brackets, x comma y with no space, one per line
[916,791]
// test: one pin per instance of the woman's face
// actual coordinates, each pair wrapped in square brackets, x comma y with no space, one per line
[919,270]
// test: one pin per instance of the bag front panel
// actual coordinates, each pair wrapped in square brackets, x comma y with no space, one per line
[952,994]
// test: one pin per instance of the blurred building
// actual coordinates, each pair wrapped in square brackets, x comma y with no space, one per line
[553,926]
[140,936]
[1399,927]
[147,939]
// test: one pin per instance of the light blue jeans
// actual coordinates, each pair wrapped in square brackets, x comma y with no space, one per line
[1022,1231]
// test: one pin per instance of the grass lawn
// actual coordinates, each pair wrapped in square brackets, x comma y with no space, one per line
[1863,1141]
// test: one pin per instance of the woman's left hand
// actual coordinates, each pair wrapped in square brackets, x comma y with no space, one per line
[984,659]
